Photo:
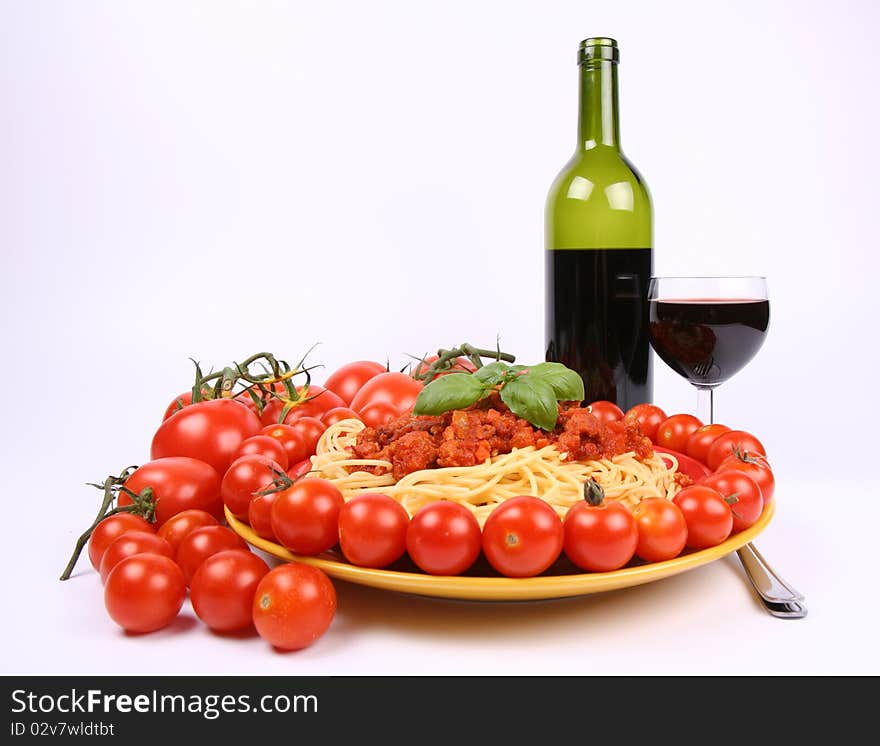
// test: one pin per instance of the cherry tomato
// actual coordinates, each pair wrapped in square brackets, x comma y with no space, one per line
[178,526]
[223,588]
[378,414]
[649,417]
[372,530]
[260,515]
[310,429]
[131,543]
[246,477]
[702,438]
[741,492]
[290,439]
[294,605]
[317,401]
[332,416]
[200,544]
[522,537]
[600,538]
[179,483]
[443,538]
[263,445]
[673,433]
[305,516]
[662,529]
[210,431]
[707,514]
[144,592]
[179,402]
[461,365]
[397,391]
[606,411]
[346,381]
[757,468]
[726,445]
[111,528]
[300,469]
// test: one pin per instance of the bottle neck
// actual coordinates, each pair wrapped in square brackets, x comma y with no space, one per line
[598,121]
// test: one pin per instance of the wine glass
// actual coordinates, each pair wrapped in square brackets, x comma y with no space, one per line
[707,328]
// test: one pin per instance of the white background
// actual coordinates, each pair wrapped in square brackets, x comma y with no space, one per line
[210,179]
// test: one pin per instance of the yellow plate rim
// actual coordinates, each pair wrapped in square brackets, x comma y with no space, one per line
[475,588]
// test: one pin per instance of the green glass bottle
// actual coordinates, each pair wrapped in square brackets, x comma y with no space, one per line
[598,241]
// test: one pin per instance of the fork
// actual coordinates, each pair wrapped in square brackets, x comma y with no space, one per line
[779,598]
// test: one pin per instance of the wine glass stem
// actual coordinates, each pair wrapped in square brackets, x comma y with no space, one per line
[706,405]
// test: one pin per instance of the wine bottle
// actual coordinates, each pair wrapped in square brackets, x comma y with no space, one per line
[598,242]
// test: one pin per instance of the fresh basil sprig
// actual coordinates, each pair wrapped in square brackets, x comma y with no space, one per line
[531,392]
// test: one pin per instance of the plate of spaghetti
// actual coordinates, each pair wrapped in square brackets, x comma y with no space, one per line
[480,457]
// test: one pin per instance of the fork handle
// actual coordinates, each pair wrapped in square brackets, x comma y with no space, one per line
[769,585]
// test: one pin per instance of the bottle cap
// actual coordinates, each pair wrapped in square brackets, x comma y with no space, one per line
[598,48]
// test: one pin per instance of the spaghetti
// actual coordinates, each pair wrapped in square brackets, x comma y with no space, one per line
[541,472]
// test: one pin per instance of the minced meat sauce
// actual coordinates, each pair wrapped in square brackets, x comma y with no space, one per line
[468,437]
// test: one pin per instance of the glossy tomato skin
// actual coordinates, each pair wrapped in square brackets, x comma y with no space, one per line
[179,483]
[131,543]
[144,592]
[444,538]
[202,543]
[749,502]
[260,515]
[606,411]
[223,587]
[266,446]
[301,469]
[461,365]
[310,430]
[522,537]
[701,439]
[293,606]
[332,416]
[396,392]
[178,526]
[290,439]
[347,380]
[648,417]
[600,538]
[111,528]
[662,529]
[246,477]
[757,468]
[210,431]
[318,401]
[673,433]
[726,445]
[305,516]
[372,530]
[708,516]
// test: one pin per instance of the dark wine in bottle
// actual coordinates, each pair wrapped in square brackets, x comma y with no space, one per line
[598,241]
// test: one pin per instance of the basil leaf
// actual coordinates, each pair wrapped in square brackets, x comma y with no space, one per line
[566,383]
[492,373]
[453,391]
[532,399]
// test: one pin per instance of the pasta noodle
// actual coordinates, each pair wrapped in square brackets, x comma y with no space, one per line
[524,471]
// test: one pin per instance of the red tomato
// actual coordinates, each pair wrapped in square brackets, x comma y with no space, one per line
[649,417]
[223,588]
[757,468]
[310,429]
[600,538]
[111,528]
[444,538]
[606,411]
[378,414]
[707,514]
[372,530]
[263,445]
[743,494]
[700,439]
[181,401]
[673,433]
[346,381]
[131,543]
[178,526]
[332,416]
[662,529]
[260,515]
[397,391]
[179,483]
[522,537]
[144,592]
[298,470]
[726,445]
[200,544]
[244,478]
[696,470]
[317,401]
[290,439]
[305,516]
[461,365]
[293,605]
[210,431]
